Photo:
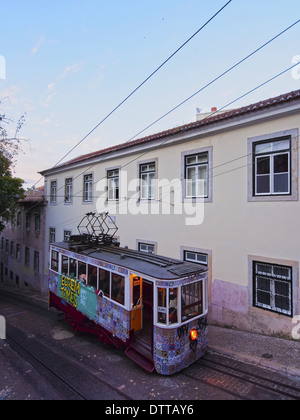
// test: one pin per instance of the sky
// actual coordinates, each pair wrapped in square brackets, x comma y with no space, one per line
[69,63]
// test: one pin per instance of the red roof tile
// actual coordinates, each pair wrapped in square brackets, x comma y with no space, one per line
[258,106]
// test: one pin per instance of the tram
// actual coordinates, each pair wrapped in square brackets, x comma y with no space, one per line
[152,307]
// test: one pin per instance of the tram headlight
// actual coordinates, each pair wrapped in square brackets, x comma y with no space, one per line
[194,335]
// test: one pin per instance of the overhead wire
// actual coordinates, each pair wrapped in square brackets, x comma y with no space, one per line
[138,87]
[189,98]
[225,106]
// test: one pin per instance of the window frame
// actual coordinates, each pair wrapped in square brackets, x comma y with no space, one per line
[271,155]
[113,184]
[53,191]
[69,190]
[88,188]
[272,279]
[293,195]
[149,182]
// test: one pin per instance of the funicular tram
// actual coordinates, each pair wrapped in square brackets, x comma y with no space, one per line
[152,307]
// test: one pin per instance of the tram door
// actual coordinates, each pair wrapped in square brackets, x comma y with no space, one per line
[142,308]
[136,284]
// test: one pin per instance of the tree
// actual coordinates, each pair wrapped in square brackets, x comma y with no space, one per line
[10,187]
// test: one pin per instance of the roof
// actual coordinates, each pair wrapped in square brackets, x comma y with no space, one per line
[214,118]
[33,196]
[150,265]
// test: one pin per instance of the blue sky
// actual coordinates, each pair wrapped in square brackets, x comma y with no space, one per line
[69,63]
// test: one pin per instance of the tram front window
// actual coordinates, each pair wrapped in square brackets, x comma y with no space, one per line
[162,305]
[173,306]
[192,300]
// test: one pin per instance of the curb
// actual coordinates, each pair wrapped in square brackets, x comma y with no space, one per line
[255,361]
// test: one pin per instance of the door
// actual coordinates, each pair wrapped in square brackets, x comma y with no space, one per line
[136,286]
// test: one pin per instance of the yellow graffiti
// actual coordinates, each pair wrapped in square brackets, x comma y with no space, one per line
[70,289]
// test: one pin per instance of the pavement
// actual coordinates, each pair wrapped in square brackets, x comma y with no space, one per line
[276,354]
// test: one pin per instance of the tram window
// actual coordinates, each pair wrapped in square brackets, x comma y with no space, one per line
[162,306]
[173,306]
[65,266]
[192,300]
[118,288]
[82,271]
[54,261]
[92,279]
[73,268]
[104,282]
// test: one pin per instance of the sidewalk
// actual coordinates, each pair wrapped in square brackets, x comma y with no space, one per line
[272,353]
[269,352]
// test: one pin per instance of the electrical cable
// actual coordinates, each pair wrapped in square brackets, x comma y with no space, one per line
[139,86]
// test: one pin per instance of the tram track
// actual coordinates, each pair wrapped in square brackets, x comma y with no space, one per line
[72,380]
[240,383]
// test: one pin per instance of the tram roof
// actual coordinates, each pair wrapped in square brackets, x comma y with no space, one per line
[151,265]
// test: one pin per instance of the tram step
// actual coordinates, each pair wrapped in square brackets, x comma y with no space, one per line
[140,359]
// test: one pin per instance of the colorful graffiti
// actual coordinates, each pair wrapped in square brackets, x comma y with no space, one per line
[70,290]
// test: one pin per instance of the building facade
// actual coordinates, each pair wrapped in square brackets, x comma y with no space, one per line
[222,191]
[22,255]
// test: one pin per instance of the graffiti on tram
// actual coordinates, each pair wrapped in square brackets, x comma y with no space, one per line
[70,290]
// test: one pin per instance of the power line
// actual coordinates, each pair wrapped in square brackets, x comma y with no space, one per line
[139,86]
[192,96]
[225,106]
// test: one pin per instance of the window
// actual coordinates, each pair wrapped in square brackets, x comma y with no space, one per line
[67,235]
[19,219]
[104,282]
[12,245]
[88,188]
[192,300]
[196,257]
[92,276]
[196,175]
[118,288]
[168,306]
[28,221]
[68,190]
[36,261]
[147,177]
[82,271]
[64,265]
[273,287]
[54,261]
[37,222]
[73,268]
[27,256]
[113,182]
[18,252]
[53,191]
[52,235]
[150,249]
[272,167]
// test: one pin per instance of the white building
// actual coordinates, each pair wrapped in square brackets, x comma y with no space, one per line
[221,191]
